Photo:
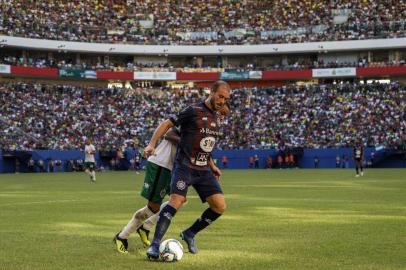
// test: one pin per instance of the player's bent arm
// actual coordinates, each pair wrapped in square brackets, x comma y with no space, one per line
[173,137]
[158,133]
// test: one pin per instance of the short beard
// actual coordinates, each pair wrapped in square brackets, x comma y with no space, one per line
[212,103]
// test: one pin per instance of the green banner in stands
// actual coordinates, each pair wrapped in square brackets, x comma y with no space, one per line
[77,73]
[74,73]
[234,75]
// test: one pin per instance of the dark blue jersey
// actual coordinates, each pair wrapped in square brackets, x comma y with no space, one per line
[199,130]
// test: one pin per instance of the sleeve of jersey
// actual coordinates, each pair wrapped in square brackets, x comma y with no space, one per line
[176,130]
[184,115]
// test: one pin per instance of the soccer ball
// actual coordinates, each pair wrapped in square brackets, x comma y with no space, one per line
[171,250]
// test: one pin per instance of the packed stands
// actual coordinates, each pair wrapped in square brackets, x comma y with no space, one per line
[39,116]
[210,22]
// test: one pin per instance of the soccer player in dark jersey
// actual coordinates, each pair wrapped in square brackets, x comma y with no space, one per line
[194,165]
[358,154]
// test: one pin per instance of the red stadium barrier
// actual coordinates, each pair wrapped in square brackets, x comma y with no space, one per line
[287,74]
[197,76]
[115,75]
[240,84]
[381,71]
[34,71]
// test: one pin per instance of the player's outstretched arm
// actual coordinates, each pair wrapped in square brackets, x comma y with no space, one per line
[158,133]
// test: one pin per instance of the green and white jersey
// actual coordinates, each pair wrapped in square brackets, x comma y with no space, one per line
[164,155]
[89,157]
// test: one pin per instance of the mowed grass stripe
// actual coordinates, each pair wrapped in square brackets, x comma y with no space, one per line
[276,219]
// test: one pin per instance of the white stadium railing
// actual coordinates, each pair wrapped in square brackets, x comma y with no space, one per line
[107,48]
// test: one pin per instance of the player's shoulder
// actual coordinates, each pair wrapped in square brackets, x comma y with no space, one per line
[198,107]
[190,109]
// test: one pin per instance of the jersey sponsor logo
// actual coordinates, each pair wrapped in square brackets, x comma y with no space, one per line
[210,132]
[207,144]
[181,185]
[204,118]
[201,159]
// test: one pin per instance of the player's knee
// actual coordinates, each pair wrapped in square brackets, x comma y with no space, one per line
[177,201]
[154,207]
[220,207]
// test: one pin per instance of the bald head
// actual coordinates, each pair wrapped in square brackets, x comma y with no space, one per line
[219,95]
[220,84]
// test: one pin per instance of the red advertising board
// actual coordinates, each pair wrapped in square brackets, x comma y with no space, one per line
[287,74]
[34,71]
[115,75]
[381,71]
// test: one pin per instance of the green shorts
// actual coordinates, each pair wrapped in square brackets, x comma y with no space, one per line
[157,183]
[90,165]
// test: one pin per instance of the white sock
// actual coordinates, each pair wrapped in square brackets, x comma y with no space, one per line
[94,175]
[138,218]
[152,220]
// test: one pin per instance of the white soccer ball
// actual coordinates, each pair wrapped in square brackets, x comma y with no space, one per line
[171,250]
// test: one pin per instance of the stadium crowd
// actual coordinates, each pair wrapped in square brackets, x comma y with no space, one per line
[196,22]
[35,116]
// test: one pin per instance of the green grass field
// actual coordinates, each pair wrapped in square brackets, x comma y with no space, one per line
[279,219]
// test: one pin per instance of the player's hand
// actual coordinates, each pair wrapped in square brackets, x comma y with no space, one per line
[149,151]
[216,171]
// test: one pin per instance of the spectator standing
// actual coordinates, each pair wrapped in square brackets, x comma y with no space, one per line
[41,165]
[280,160]
[269,161]
[31,165]
[316,162]
[251,162]
[224,160]
[338,161]
[256,161]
